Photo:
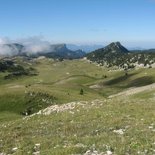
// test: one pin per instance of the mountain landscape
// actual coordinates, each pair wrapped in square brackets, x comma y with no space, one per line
[79,104]
[113,54]
[77,77]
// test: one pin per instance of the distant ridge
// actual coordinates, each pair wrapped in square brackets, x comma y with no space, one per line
[86,48]
[55,51]
[61,51]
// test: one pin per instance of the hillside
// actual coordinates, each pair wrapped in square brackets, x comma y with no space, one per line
[47,114]
[14,69]
[116,55]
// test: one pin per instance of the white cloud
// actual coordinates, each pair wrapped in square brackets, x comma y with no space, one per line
[31,45]
[35,44]
[5,50]
[4,40]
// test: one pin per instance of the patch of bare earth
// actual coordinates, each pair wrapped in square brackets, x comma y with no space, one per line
[134,90]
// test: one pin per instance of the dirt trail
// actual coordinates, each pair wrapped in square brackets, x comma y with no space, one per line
[134,90]
[63,81]
[16,86]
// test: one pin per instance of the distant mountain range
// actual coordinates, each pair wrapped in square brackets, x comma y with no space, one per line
[60,51]
[86,48]
[143,50]
[112,55]
[53,51]
[117,55]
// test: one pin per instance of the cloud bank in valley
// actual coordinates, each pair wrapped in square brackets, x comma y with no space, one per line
[31,45]
[5,50]
[35,44]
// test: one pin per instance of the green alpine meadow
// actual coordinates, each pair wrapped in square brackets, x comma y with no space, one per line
[76,107]
[77,77]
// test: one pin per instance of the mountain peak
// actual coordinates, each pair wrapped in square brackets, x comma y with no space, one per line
[115,47]
[110,55]
[116,43]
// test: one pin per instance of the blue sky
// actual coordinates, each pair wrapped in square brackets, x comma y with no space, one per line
[80,21]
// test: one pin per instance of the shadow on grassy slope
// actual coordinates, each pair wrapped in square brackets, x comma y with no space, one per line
[142,81]
[125,81]
[119,79]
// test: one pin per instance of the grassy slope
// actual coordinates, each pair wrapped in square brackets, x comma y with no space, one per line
[60,133]
[63,80]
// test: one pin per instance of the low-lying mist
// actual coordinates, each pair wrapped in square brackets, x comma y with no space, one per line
[29,45]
